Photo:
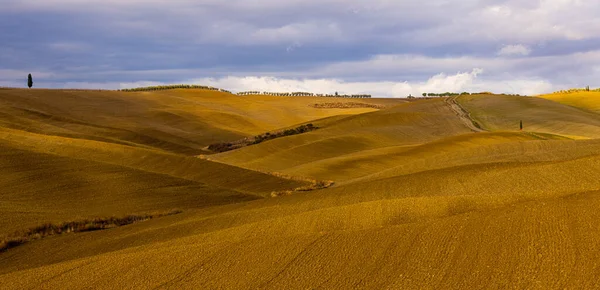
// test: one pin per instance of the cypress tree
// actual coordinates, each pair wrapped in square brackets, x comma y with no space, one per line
[29,81]
[521,125]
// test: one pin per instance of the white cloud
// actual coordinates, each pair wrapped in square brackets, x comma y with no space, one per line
[514,49]
[439,83]
[459,82]
[453,83]
[516,21]
[561,69]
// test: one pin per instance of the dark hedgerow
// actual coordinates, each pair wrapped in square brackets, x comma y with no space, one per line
[87,225]
[228,146]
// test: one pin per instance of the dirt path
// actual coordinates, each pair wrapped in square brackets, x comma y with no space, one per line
[464,116]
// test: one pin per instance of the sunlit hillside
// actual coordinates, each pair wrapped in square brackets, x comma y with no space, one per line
[498,113]
[340,143]
[179,121]
[422,197]
[589,100]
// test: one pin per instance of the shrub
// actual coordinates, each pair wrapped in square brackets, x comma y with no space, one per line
[223,147]
[220,147]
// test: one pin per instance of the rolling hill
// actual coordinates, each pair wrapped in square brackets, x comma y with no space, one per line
[503,113]
[402,125]
[420,199]
[180,121]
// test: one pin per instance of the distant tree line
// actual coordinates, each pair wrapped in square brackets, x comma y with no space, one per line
[446,94]
[449,94]
[171,87]
[577,90]
[346,105]
[302,94]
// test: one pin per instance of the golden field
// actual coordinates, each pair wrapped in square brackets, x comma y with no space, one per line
[420,199]
[588,100]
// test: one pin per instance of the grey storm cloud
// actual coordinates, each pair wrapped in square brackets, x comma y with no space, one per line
[523,46]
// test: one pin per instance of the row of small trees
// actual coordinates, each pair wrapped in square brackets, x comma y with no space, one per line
[246,93]
[449,94]
[576,90]
[446,94]
[249,93]
[301,94]
[171,87]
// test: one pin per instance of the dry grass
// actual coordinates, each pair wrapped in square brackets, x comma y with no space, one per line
[420,201]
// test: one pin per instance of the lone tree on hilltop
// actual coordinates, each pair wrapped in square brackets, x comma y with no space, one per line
[29,81]
[521,125]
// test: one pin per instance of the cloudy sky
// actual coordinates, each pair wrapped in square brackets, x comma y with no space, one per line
[381,47]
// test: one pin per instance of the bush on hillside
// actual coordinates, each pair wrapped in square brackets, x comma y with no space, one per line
[228,146]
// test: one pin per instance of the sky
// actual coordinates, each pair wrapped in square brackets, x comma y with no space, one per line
[380,47]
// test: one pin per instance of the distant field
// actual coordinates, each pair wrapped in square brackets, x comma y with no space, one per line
[420,199]
[503,113]
[585,100]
